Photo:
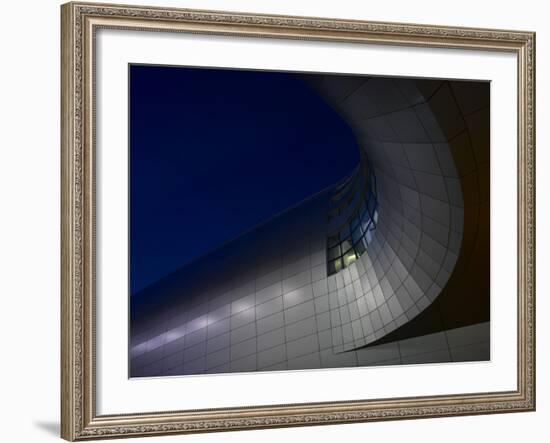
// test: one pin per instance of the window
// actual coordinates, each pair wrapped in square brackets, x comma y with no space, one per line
[350,241]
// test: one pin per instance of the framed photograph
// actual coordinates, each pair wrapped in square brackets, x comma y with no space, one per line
[281,221]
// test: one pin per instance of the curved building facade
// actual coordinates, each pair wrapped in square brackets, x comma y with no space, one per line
[389,266]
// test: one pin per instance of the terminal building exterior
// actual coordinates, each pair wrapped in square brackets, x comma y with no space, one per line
[388,266]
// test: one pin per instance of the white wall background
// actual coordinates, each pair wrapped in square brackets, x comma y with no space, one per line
[29,220]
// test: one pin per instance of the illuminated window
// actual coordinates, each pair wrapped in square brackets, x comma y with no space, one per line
[351,240]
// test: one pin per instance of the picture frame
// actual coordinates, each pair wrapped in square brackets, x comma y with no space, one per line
[80,419]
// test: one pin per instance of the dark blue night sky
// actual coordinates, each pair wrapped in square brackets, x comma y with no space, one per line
[215,152]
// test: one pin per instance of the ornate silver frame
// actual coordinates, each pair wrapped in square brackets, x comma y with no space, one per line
[79,420]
